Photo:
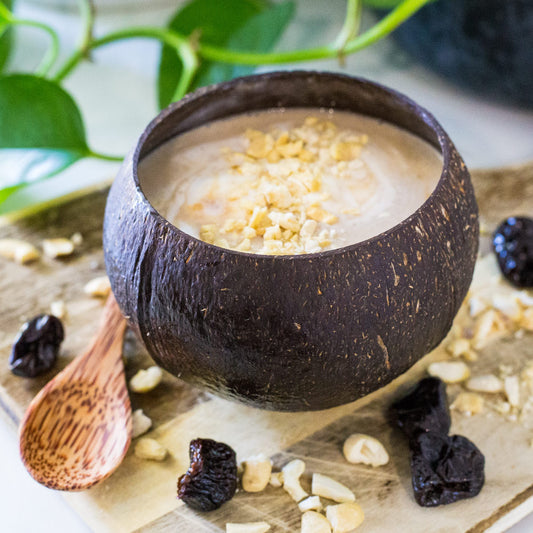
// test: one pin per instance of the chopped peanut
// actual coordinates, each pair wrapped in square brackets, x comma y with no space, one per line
[257,471]
[329,488]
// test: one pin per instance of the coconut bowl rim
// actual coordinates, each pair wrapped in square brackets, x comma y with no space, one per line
[445,144]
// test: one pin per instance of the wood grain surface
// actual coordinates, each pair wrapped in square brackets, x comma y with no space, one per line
[141,495]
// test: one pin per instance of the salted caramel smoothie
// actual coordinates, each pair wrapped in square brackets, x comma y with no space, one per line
[290,181]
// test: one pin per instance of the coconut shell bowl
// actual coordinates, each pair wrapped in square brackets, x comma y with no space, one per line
[292,332]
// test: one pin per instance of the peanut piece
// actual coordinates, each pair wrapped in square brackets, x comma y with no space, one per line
[329,488]
[449,371]
[468,403]
[313,522]
[359,448]
[291,479]
[140,423]
[345,516]
[19,251]
[312,503]
[150,449]
[98,287]
[57,247]
[146,380]
[256,474]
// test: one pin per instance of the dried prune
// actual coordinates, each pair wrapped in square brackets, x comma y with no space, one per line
[211,479]
[445,469]
[36,346]
[513,245]
[425,408]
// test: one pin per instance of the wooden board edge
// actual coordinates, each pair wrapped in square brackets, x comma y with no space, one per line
[508,514]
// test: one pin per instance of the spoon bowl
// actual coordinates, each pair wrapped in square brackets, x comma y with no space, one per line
[77,429]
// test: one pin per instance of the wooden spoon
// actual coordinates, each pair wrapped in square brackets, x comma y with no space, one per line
[77,430]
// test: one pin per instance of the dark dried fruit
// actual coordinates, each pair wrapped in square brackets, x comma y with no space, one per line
[36,346]
[423,409]
[445,469]
[513,245]
[212,477]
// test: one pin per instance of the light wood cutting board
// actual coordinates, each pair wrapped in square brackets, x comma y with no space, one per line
[141,495]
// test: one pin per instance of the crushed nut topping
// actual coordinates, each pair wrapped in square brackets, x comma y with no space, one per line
[280,210]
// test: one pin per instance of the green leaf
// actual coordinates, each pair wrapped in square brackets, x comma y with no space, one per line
[41,131]
[212,21]
[259,34]
[5,33]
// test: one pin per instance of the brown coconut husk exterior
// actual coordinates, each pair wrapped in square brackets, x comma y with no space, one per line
[299,332]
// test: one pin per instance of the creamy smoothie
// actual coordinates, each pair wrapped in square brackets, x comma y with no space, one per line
[290,181]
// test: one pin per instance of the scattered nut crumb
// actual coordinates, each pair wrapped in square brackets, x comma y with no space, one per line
[461,348]
[58,309]
[146,448]
[449,371]
[488,326]
[345,516]
[98,287]
[57,247]
[476,306]
[485,383]
[276,479]
[359,448]
[511,386]
[468,403]
[329,488]
[503,408]
[312,503]
[291,479]
[19,251]
[77,239]
[140,423]
[313,522]
[251,527]
[146,380]
[256,475]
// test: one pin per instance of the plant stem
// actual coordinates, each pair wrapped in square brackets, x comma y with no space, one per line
[386,25]
[104,157]
[190,56]
[53,50]
[169,37]
[87,15]
[190,64]
[352,22]
[381,29]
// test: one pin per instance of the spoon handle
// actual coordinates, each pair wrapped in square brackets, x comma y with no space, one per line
[104,356]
